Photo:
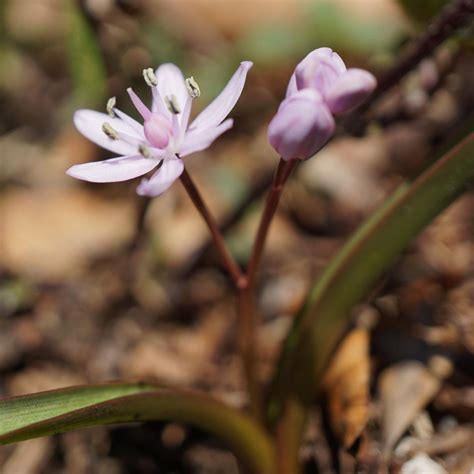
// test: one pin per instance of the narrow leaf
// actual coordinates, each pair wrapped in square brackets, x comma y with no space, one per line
[85,59]
[73,408]
[357,267]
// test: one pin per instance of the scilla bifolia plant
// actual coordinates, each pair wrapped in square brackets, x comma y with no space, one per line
[266,437]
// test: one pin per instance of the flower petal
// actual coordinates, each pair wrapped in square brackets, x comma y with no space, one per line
[350,90]
[292,86]
[171,82]
[302,125]
[168,173]
[220,107]
[198,140]
[89,123]
[113,170]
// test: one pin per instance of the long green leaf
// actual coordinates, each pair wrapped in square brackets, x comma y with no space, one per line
[358,266]
[85,59]
[73,408]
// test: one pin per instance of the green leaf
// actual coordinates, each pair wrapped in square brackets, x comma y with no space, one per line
[57,411]
[357,267]
[85,59]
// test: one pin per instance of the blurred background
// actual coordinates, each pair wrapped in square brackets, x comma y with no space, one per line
[76,306]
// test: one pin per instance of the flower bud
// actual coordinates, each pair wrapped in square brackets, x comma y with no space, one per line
[158,130]
[302,125]
[349,90]
[319,69]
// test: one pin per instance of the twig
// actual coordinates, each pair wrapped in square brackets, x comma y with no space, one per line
[454,15]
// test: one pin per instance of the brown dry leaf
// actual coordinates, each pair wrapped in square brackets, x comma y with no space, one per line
[346,384]
[404,389]
[51,233]
[29,457]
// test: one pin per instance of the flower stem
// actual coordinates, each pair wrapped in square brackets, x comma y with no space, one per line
[142,205]
[282,173]
[227,259]
[247,319]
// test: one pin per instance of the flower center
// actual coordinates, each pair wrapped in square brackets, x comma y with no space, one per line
[158,130]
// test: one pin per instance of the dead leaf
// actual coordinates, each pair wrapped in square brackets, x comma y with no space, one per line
[405,389]
[29,457]
[51,233]
[346,384]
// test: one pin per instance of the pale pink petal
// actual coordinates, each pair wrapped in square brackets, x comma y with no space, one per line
[221,106]
[350,90]
[292,87]
[327,54]
[168,173]
[139,105]
[302,125]
[113,170]
[199,140]
[171,82]
[137,126]
[89,123]
[158,106]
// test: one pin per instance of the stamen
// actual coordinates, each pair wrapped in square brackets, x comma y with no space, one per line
[109,131]
[110,106]
[150,77]
[172,104]
[193,87]
[144,151]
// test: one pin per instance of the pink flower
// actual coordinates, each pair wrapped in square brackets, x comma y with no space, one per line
[320,87]
[165,136]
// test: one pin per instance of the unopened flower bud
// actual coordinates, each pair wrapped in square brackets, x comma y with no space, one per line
[349,90]
[324,71]
[302,125]
[319,69]
[158,130]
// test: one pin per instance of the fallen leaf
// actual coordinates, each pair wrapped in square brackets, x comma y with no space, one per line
[52,233]
[422,464]
[404,390]
[346,385]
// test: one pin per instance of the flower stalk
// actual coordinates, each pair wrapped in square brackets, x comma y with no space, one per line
[227,259]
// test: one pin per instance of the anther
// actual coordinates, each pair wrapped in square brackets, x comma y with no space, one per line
[150,77]
[144,151]
[172,104]
[193,87]
[109,131]
[110,106]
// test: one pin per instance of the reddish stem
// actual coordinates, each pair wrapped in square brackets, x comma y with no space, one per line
[228,260]
[247,318]
[282,173]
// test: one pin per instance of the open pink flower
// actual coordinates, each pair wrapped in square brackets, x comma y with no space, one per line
[165,136]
